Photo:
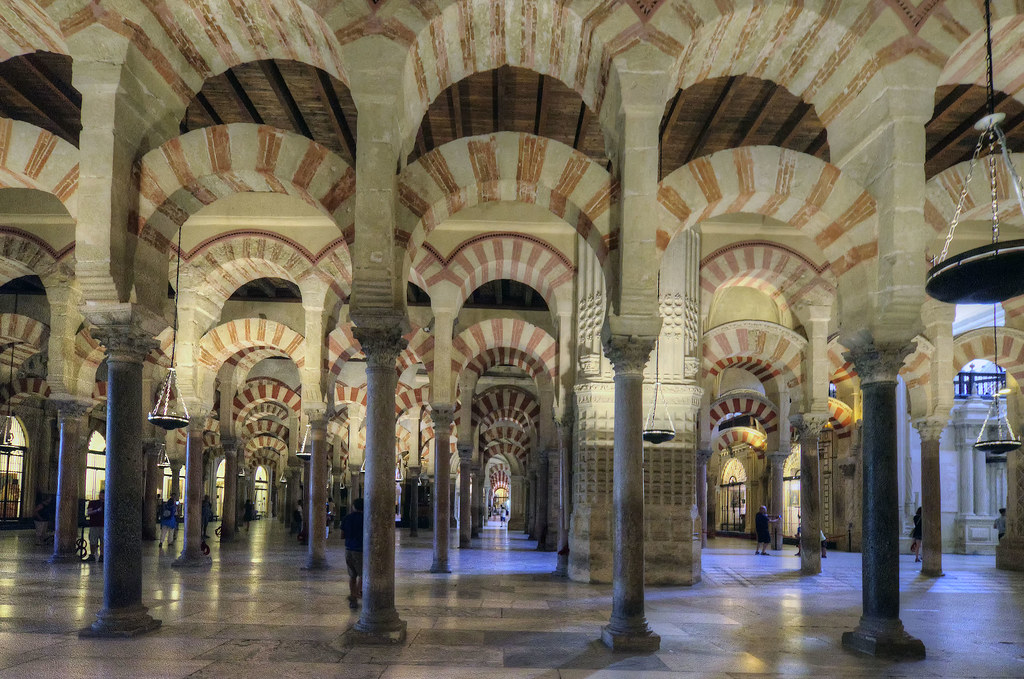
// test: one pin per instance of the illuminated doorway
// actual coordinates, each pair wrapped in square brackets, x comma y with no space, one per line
[262,484]
[732,497]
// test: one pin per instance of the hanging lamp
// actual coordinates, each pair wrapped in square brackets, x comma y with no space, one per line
[996,437]
[170,412]
[990,273]
[658,428]
[9,426]
[241,472]
[304,453]
[165,461]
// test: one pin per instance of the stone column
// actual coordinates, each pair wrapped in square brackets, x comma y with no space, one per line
[703,455]
[476,499]
[465,509]
[880,631]
[931,496]
[379,621]
[123,613]
[543,499]
[154,479]
[176,466]
[73,428]
[808,427]
[442,414]
[565,430]
[229,508]
[413,474]
[191,552]
[1010,550]
[981,502]
[316,507]
[778,463]
[628,630]
[517,504]
[531,505]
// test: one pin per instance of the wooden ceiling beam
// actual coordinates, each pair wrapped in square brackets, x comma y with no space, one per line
[792,125]
[581,124]
[498,99]
[673,115]
[540,116]
[762,115]
[965,129]
[711,121]
[63,91]
[23,101]
[328,95]
[816,147]
[208,109]
[245,105]
[455,102]
[284,97]
[427,131]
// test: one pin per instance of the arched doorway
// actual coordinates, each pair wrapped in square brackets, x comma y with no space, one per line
[219,502]
[11,474]
[261,483]
[732,498]
[791,492]
[95,466]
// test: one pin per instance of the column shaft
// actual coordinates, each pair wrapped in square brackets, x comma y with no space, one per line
[229,509]
[809,427]
[543,499]
[72,428]
[931,507]
[316,508]
[564,492]
[191,552]
[476,500]
[414,501]
[465,509]
[154,479]
[701,483]
[778,463]
[442,415]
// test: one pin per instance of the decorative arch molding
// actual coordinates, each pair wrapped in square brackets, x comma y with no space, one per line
[493,256]
[227,340]
[25,254]
[841,370]
[352,395]
[503,401]
[25,27]
[842,416]
[809,194]
[767,350]
[192,171]
[31,387]
[783,274]
[245,400]
[265,442]
[32,158]
[943,193]
[20,329]
[274,410]
[407,397]
[506,166]
[979,344]
[734,436]
[255,427]
[745,403]
[964,42]
[503,341]
[916,370]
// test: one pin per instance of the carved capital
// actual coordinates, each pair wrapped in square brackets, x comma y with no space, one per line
[778,458]
[151,447]
[381,346]
[930,428]
[808,426]
[442,414]
[124,343]
[628,353]
[73,409]
[878,363]
[230,447]
[465,453]
[703,455]
[412,471]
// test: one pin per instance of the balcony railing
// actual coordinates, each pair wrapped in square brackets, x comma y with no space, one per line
[985,385]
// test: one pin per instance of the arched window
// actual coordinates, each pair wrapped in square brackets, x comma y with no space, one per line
[732,497]
[218,504]
[95,466]
[11,480]
[791,491]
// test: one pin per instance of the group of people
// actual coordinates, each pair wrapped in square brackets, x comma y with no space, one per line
[762,528]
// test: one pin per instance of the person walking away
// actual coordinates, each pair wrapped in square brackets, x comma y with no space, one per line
[1000,523]
[94,512]
[915,535]
[762,524]
[296,526]
[168,521]
[42,516]
[352,531]
[250,514]
[207,513]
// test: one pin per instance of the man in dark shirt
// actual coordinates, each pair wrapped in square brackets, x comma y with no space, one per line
[761,527]
[94,511]
[352,530]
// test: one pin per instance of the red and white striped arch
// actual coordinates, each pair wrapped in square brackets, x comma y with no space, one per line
[227,340]
[753,404]
[505,166]
[25,254]
[246,400]
[29,334]
[795,188]
[783,274]
[341,347]
[265,442]
[32,158]
[767,350]
[841,369]
[500,480]
[255,427]
[979,344]
[505,341]
[30,387]
[25,27]
[346,394]
[192,171]
[841,416]
[269,409]
[506,402]
[943,192]
[734,436]
[407,397]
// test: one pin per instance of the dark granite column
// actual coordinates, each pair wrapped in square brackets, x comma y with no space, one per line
[379,621]
[465,509]
[191,552]
[476,499]
[73,430]
[931,496]
[228,512]
[808,427]
[317,505]
[531,505]
[123,614]
[442,415]
[565,431]
[880,631]
[413,476]
[176,466]
[628,630]
[778,463]
[154,483]
[543,499]
[701,486]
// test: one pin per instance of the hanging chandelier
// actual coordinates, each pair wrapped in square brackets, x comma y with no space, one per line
[658,427]
[241,472]
[170,411]
[305,452]
[8,426]
[996,437]
[165,461]
[990,273]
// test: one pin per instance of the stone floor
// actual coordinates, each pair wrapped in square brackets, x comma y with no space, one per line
[499,615]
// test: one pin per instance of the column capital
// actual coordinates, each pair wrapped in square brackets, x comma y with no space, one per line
[412,471]
[230,446]
[73,408]
[703,455]
[568,419]
[465,452]
[930,428]
[808,425]
[778,457]
[442,414]
[628,353]
[878,363]
[125,343]
[151,447]
[382,345]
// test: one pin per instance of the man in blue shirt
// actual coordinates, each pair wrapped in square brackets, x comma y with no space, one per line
[352,531]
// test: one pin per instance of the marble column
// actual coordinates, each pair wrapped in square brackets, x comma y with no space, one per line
[176,466]
[154,479]
[703,455]
[442,414]
[931,496]
[543,499]
[517,504]
[73,430]
[628,629]
[229,504]
[378,620]
[476,499]
[981,500]
[317,505]
[123,614]
[191,552]
[413,474]
[778,463]
[880,631]
[565,431]
[465,508]
[531,505]
[808,428]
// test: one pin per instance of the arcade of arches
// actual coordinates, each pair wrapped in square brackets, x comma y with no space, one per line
[447,248]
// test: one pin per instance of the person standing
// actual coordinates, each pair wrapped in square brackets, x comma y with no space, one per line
[42,516]
[352,531]
[207,513]
[168,521]
[915,535]
[1000,523]
[250,514]
[94,512]
[762,525]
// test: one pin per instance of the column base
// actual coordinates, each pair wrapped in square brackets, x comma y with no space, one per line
[883,638]
[562,565]
[440,568]
[65,558]
[465,543]
[316,564]
[631,640]
[378,634]
[1010,554]
[200,561]
[120,623]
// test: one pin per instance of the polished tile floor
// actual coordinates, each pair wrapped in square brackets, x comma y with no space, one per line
[500,615]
